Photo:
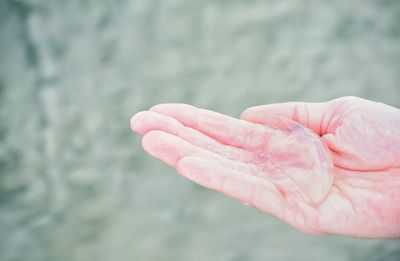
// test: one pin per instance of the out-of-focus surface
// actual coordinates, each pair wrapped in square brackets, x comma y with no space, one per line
[74,182]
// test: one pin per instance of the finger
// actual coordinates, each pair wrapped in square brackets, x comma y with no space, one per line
[170,149]
[146,121]
[224,129]
[341,157]
[310,115]
[248,189]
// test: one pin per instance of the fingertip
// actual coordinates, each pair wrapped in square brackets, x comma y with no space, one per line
[243,115]
[145,121]
[158,144]
[252,114]
[158,107]
[149,139]
[136,122]
[182,165]
[154,140]
[246,114]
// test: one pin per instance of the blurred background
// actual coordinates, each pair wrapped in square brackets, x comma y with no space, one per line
[74,181]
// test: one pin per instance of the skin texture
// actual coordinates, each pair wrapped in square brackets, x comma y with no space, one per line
[324,168]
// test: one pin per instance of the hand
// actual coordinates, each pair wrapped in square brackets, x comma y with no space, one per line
[324,168]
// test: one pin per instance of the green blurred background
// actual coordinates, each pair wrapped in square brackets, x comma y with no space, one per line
[74,181]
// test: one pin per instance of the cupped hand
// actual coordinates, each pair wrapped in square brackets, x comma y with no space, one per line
[324,168]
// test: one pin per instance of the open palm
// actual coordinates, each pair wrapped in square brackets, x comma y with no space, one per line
[324,168]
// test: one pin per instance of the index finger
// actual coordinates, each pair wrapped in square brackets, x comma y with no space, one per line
[224,129]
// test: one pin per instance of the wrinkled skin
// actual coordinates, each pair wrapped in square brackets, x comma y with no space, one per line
[324,168]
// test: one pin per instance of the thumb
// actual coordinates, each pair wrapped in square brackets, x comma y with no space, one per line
[314,116]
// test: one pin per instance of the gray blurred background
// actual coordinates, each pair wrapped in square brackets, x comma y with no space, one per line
[74,181]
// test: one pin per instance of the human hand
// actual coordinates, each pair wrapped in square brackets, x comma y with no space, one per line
[324,168]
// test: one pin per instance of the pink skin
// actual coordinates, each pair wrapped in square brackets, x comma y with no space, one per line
[324,168]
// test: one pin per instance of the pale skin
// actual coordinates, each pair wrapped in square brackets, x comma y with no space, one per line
[330,168]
